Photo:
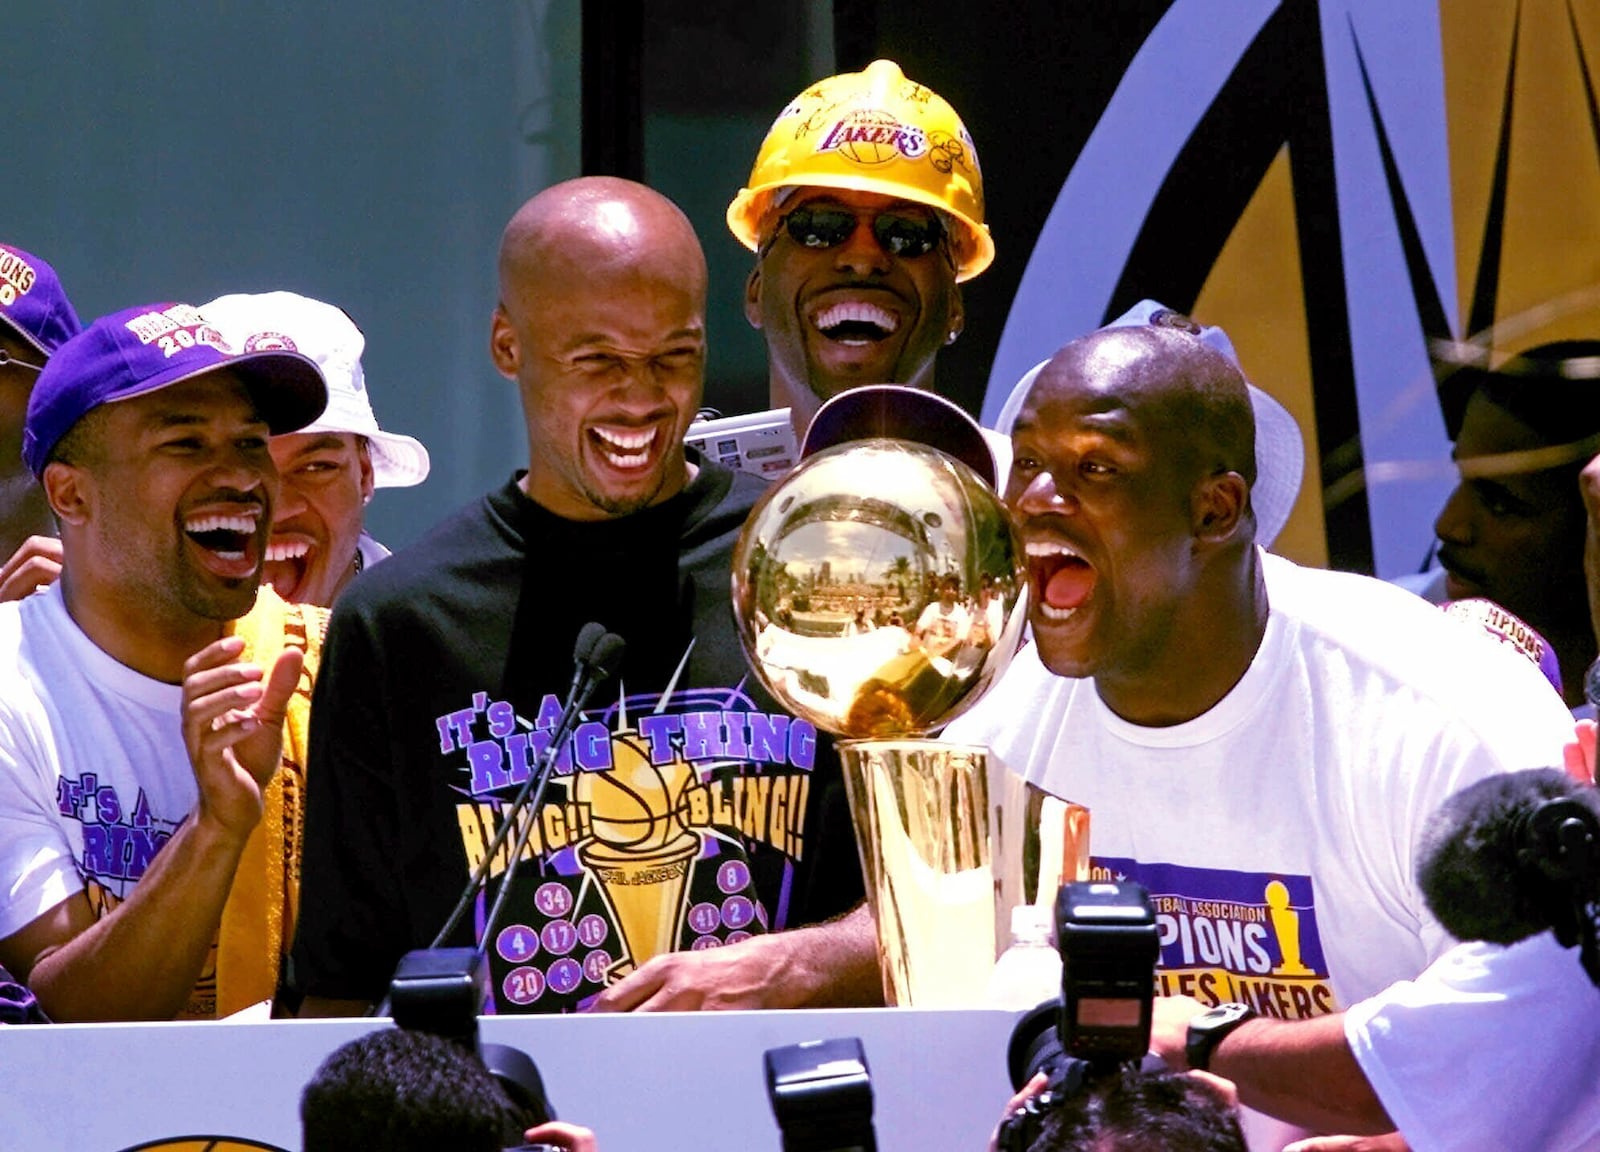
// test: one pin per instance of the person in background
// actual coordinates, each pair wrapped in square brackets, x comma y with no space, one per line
[1514,528]
[329,469]
[865,211]
[36,318]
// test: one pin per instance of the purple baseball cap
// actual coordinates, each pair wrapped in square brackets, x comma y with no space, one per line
[144,349]
[32,302]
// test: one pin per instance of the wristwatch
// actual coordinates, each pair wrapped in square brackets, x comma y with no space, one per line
[1207,1030]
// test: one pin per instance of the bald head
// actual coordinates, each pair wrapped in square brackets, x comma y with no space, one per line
[601,323]
[593,225]
[1182,389]
[1133,457]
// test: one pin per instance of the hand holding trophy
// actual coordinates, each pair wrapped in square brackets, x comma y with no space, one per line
[880,591]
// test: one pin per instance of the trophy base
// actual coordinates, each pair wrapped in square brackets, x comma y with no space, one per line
[950,842]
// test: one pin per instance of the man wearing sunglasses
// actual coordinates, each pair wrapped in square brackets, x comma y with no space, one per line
[36,318]
[865,211]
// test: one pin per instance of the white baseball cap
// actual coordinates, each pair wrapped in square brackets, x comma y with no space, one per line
[327,336]
[1280,452]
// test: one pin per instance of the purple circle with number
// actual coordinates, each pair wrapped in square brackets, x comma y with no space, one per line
[704,918]
[592,931]
[565,975]
[559,936]
[523,985]
[734,876]
[737,937]
[701,943]
[595,966]
[553,899]
[738,911]
[516,943]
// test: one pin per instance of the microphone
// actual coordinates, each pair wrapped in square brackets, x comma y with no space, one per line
[438,989]
[597,654]
[602,662]
[1515,855]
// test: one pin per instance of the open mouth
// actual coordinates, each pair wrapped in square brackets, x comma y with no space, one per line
[1062,579]
[226,540]
[856,322]
[625,448]
[287,562]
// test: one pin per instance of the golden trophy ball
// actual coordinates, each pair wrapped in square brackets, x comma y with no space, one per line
[879,591]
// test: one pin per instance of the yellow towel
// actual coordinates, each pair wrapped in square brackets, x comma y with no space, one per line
[259,917]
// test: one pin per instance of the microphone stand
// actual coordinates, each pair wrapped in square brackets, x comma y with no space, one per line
[441,990]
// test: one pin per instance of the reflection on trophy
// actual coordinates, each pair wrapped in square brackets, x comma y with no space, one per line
[880,591]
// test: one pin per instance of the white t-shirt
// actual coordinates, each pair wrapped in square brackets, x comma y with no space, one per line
[1277,832]
[1490,1047]
[943,629]
[94,777]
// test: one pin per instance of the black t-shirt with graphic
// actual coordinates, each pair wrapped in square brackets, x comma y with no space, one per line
[687,811]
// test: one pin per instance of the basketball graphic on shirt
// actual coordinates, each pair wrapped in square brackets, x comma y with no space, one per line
[633,805]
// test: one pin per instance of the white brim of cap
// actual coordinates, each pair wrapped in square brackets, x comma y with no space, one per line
[397,461]
[1280,453]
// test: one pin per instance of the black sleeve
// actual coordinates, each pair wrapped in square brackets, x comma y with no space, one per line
[352,926]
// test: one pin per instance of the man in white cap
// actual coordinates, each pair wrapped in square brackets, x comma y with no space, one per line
[328,470]
[1258,743]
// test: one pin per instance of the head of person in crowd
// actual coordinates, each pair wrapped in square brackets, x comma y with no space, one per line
[36,318]
[865,212]
[395,1090]
[1142,1112]
[601,323]
[1141,474]
[149,435]
[327,471]
[1513,529]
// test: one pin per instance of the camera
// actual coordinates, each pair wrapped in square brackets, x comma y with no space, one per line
[440,990]
[821,1095]
[1109,946]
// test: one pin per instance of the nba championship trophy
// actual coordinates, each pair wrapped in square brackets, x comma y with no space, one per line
[879,591]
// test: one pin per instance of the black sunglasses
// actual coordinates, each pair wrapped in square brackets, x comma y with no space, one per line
[7,358]
[818,226]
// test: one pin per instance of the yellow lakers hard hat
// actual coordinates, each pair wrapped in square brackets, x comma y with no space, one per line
[872,131]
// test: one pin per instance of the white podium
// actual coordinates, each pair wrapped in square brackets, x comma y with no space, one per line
[644,1083]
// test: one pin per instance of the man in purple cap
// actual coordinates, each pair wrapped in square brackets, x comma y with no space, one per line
[1258,743]
[36,318]
[155,708]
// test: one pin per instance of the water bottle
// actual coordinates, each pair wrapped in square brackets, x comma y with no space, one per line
[1029,970]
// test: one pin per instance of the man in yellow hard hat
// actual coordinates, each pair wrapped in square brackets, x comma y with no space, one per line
[865,211]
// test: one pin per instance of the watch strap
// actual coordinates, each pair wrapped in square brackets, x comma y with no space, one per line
[1207,1030]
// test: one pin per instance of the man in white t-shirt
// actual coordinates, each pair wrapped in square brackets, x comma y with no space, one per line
[943,625]
[146,692]
[1258,744]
